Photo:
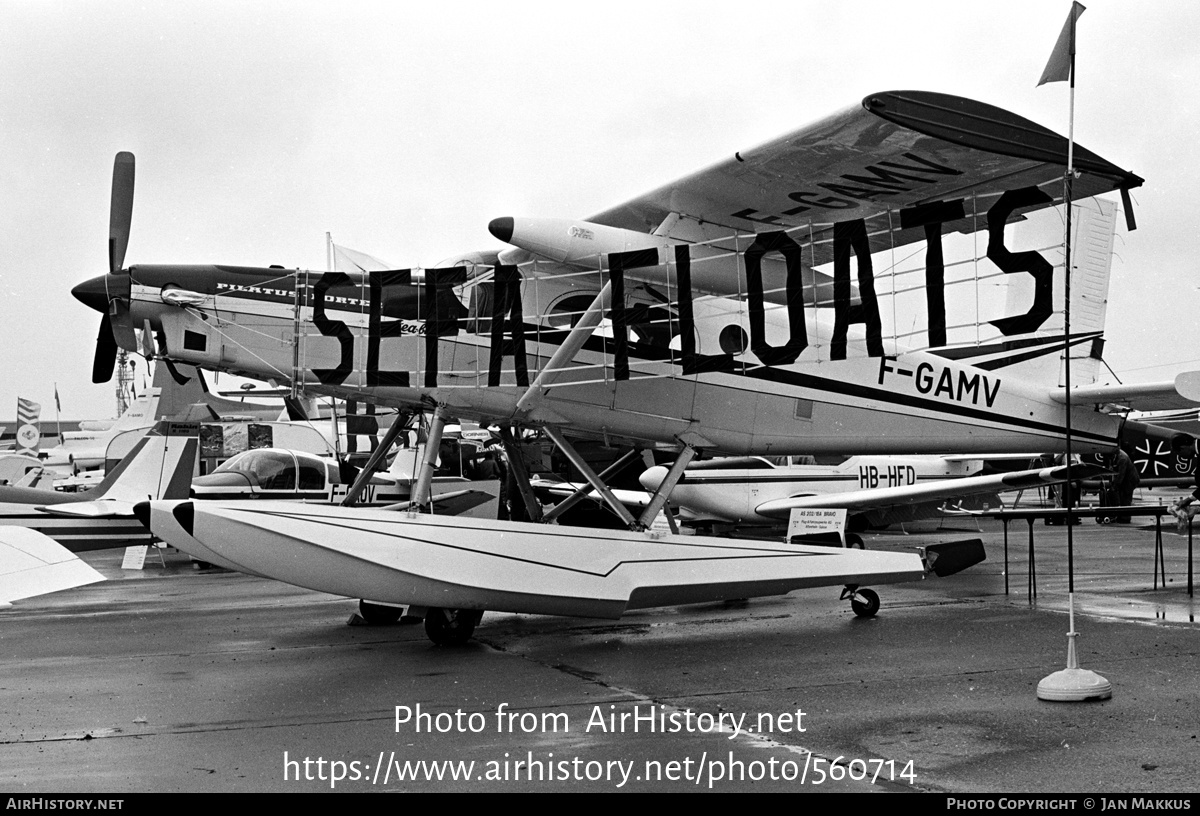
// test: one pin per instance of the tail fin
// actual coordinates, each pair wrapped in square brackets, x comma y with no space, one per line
[1039,356]
[183,386]
[160,466]
[34,478]
[1094,223]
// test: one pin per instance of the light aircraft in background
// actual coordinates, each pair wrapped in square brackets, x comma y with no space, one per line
[19,469]
[160,466]
[278,474]
[735,311]
[1163,459]
[875,490]
[175,390]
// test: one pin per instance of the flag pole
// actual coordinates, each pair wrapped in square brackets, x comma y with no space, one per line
[1071,684]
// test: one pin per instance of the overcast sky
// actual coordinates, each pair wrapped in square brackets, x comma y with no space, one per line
[403,128]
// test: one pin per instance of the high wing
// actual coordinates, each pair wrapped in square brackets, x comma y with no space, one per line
[880,498]
[918,152]
[34,564]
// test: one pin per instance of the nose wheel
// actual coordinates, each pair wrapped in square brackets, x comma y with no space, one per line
[864,602]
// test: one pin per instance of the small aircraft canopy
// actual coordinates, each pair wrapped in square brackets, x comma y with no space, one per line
[276,469]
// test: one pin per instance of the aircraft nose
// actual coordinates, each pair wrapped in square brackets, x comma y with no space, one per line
[93,293]
[501,228]
[651,478]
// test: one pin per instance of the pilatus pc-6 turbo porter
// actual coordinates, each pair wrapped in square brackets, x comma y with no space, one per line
[793,298]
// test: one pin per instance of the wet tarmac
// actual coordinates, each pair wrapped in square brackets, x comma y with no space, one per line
[178,679]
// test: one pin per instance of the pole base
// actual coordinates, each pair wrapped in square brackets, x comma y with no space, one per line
[1074,686]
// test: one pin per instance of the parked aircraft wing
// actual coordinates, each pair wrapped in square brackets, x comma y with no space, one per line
[432,561]
[883,497]
[34,564]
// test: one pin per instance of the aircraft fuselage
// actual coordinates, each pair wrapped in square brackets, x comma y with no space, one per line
[472,339]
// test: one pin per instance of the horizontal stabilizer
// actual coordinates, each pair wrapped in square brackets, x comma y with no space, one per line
[1180,393]
[462,563]
[101,508]
[34,564]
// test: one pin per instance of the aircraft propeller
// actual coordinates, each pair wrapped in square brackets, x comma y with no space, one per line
[110,294]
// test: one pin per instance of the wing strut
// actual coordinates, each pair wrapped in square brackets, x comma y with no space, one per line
[566,352]
[583,467]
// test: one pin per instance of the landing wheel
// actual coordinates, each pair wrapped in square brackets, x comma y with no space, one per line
[854,542]
[865,603]
[377,614]
[451,627]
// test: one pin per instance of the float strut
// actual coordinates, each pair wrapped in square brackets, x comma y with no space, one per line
[576,497]
[583,467]
[422,489]
[659,500]
[516,462]
[372,465]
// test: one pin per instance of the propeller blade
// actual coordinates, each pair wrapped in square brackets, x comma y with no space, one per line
[106,352]
[120,212]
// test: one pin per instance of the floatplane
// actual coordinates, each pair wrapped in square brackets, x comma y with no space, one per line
[739,310]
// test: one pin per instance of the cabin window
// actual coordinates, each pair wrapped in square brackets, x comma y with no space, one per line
[312,474]
[276,471]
